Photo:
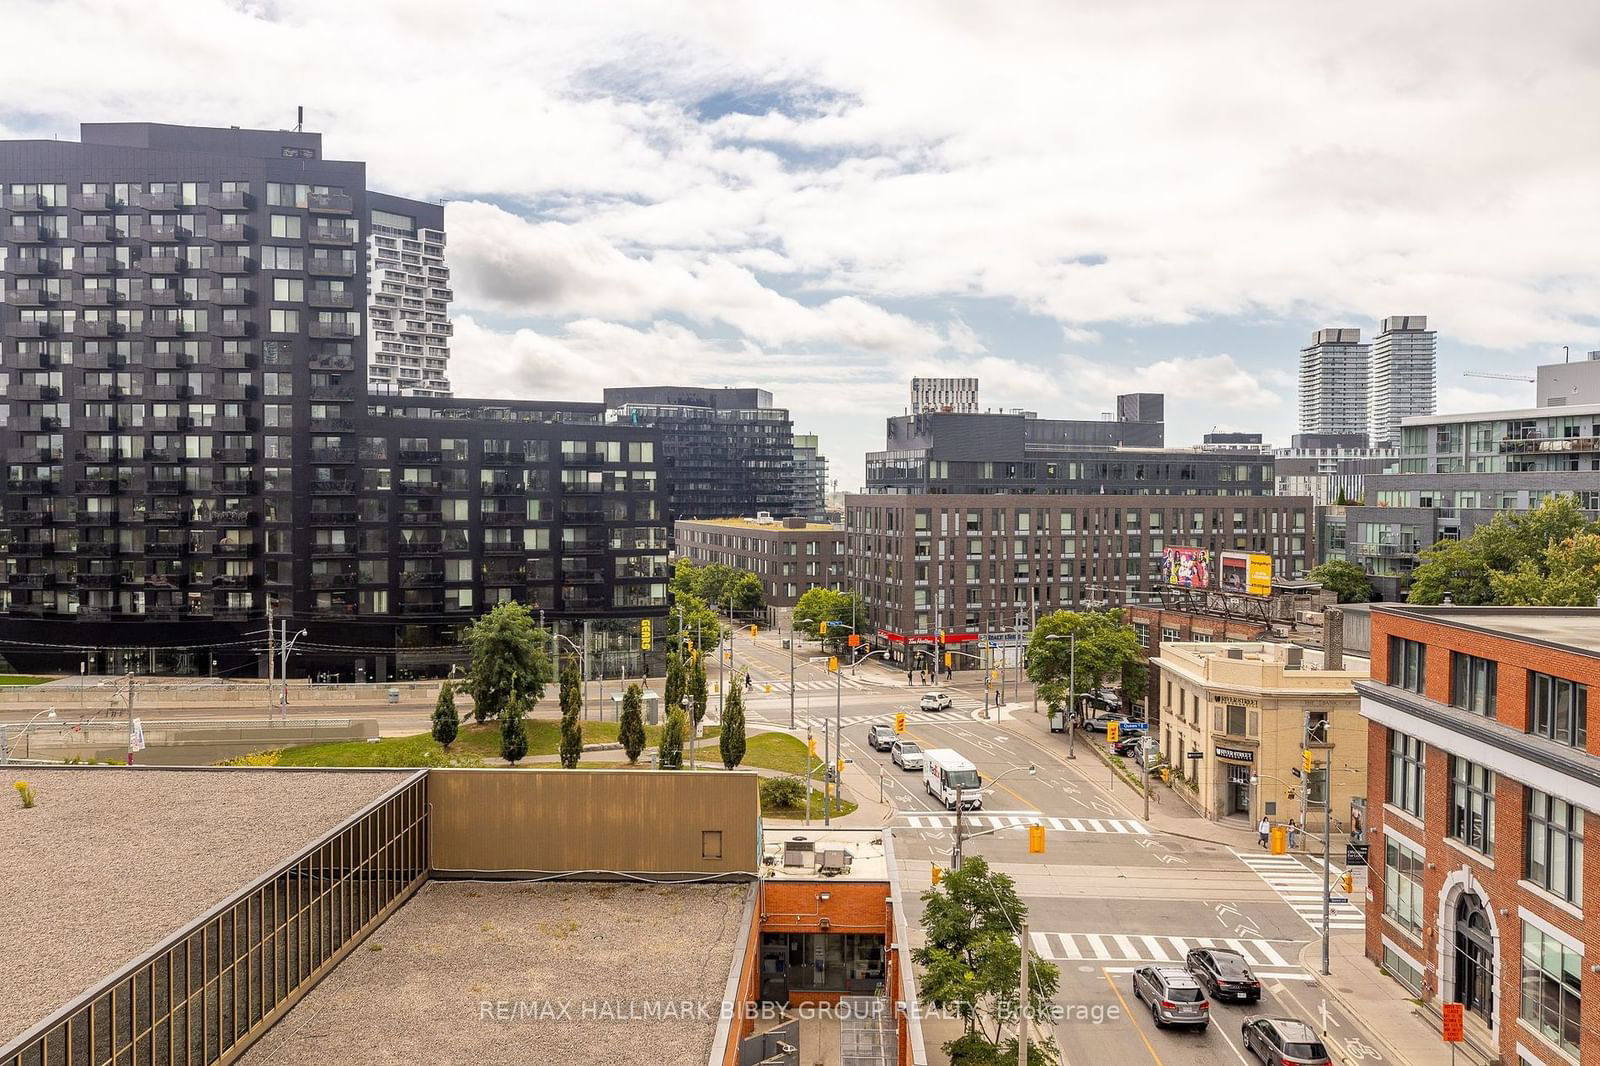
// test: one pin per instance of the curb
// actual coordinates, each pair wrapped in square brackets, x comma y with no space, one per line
[1325,985]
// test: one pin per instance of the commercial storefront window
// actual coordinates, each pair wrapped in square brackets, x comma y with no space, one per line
[1402,886]
[1552,974]
[1472,805]
[1555,846]
[1406,755]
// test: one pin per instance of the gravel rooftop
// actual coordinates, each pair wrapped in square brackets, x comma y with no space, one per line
[482,973]
[109,862]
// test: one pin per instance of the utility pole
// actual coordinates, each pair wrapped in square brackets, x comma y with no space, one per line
[1144,763]
[1327,886]
[791,671]
[583,655]
[955,849]
[270,652]
[838,734]
[1072,692]
[827,773]
[1022,1004]
[283,649]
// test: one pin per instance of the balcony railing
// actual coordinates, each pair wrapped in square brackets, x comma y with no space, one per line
[231,201]
[333,330]
[92,264]
[330,298]
[89,201]
[329,203]
[100,327]
[31,329]
[230,297]
[24,233]
[96,298]
[320,267]
[101,234]
[233,233]
[160,264]
[331,235]
[229,264]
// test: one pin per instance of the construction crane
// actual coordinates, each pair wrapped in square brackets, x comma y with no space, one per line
[1498,377]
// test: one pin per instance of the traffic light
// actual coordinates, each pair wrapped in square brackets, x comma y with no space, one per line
[644,634]
[1035,840]
[690,642]
[949,660]
[1306,763]
[1111,732]
[833,664]
[1166,776]
[822,629]
[994,675]
[838,772]
[937,873]
[900,722]
[811,743]
[1348,882]
[753,630]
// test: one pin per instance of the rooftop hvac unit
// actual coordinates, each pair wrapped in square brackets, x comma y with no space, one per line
[764,518]
[835,861]
[799,851]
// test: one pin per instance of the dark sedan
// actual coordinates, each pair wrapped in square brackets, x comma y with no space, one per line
[1225,974]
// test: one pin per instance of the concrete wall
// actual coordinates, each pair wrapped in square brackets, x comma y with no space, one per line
[180,743]
[516,823]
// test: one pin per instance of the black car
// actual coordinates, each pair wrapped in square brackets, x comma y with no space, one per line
[1126,746]
[1224,974]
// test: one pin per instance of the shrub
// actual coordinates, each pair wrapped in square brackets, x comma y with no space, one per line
[782,793]
[25,791]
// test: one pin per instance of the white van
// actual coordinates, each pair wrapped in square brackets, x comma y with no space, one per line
[944,771]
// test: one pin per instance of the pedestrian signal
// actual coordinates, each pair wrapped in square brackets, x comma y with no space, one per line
[753,631]
[822,629]
[948,660]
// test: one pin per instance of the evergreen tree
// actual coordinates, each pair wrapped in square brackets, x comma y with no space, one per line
[731,739]
[670,756]
[571,705]
[697,693]
[446,722]
[673,690]
[513,734]
[630,731]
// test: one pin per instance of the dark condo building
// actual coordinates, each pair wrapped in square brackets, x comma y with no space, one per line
[730,452]
[188,433]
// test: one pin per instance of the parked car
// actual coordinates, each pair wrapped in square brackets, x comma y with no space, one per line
[1285,1041]
[1224,974]
[1124,723]
[906,754]
[935,701]
[946,774]
[1174,996]
[1148,753]
[880,735]
[1126,745]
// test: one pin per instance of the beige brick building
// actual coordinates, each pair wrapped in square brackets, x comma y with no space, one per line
[1247,708]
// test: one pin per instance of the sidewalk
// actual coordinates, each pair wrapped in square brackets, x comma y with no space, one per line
[1405,1029]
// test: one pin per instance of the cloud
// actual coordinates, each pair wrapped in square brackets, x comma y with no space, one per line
[1197,383]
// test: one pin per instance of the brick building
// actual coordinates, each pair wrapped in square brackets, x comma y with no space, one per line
[791,556]
[1481,770]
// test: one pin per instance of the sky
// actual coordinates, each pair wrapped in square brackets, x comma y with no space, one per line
[1066,199]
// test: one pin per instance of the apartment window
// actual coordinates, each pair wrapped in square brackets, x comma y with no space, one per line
[1168,634]
[1471,805]
[1141,633]
[1555,846]
[1552,979]
[1558,709]
[1406,663]
[1402,886]
[286,226]
[1406,755]
[288,290]
[282,321]
[1472,684]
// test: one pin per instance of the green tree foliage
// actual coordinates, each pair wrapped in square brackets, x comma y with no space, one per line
[697,688]
[685,578]
[743,591]
[673,689]
[701,624]
[446,722]
[1344,579]
[731,739]
[510,664]
[1106,650]
[670,753]
[825,605]
[972,964]
[513,734]
[711,583]
[571,707]
[1540,557]
[630,731]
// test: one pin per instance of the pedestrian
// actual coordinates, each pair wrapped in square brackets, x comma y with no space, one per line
[1294,834]
[1262,830]
[908,677]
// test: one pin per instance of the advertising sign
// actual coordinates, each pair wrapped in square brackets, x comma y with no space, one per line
[1188,568]
[1245,573]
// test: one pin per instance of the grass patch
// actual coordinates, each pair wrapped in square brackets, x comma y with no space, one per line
[778,751]
[23,679]
[841,807]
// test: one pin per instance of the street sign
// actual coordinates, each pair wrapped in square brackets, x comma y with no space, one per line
[1196,755]
[855,640]
[1454,1022]
[1111,733]
[136,739]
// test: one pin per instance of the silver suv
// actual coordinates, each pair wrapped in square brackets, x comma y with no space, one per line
[1174,996]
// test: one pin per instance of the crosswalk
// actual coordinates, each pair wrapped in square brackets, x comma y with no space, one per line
[781,687]
[1301,888]
[1003,819]
[1130,949]
[954,716]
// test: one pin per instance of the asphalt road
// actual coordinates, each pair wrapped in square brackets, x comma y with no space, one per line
[1107,896]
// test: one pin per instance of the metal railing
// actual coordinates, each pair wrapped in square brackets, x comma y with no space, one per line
[218,984]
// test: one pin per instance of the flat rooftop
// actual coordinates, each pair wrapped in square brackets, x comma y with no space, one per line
[779,852]
[518,972]
[778,525]
[113,861]
[1574,628]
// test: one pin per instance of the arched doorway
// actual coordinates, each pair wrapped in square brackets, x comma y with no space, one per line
[1474,957]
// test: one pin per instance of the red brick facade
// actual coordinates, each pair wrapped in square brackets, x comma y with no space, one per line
[1451,868]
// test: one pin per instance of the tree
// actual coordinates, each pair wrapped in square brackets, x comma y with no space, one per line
[510,665]
[571,707]
[630,731]
[1107,649]
[701,624]
[711,583]
[673,689]
[743,591]
[670,754]
[731,739]
[1345,579]
[685,578]
[446,722]
[1537,557]
[697,692]
[972,964]
[513,734]
[818,605]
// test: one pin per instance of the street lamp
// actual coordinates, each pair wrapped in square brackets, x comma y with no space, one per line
[955,850]
[792,621]
[5,748]
[683,701]
[288,646]
[583,689]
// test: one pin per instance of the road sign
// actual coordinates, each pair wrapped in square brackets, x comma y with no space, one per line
[1454,1022]
[1111,732]
[855,640]
[644,634]
[1195,755]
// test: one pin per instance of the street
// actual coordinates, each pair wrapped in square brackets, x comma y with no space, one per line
[1108,895]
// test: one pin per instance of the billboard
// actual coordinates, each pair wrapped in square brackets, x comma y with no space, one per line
[1188,568]
[1246,573]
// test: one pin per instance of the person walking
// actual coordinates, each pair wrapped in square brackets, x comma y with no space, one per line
[1263,830]
[1294,834]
